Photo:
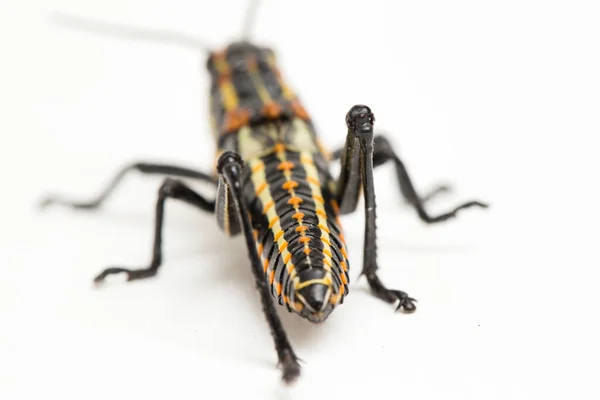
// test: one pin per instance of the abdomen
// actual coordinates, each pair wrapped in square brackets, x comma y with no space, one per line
[295,219]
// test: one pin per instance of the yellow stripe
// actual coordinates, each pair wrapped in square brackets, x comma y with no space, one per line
[258,178]
[323,281]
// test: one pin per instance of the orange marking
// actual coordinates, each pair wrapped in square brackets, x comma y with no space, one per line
[265,265]
[279,234]
[344,279]
[268,206]
[278,287]
[327,252]
[236,119]
[279,147]
[224,77]
[321,213]
[301,229]
[327,242]
[272,277]
[283,246]
[304,239]
[285,166]
[326,229]
[307,251]
[344,266]
[261,187]
[319,199]
[286,299]
[299,110]
[342,237]
[295,201]
[298,306]
[260,248]
[258,167]
[298,216]
[289,185]
[287,258]
[313,181]
[344,252]
[342,290]
[326,261]
[273,221]
[271,110]
[335,206]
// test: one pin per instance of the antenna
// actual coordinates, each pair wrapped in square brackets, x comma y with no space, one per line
[250,18]
[165,36]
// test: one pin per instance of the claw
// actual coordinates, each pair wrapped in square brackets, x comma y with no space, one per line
[404,302]
[290,366]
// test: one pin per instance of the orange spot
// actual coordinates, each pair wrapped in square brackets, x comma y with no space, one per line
[344,279]
[278,235]
[335,206]
[285,166]
[224,77]
[272,277]
[283,246]
[301,229]
[286,299]
[342,290]
[289,185]
[262,187]
[236,119]
[313,181]
[307,251]
[344,252]
[271,110]
[260,248]
[321,213]
[279,147]
[265,265]
[319,199]
[298,216]
[327,242]
[252,64]
[298,306]
[327,261]
[327,252]
[258,167]
[342,238]
[273,221]
[268,206]
[287,257]
[295,201]
[344,266]
[326,229]
[278,287]
[299,110]
[304,240]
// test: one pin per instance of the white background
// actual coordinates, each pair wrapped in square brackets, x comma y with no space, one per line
[499,99]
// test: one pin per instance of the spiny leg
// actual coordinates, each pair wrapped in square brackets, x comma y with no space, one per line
[174,189]
[143,167]
[230,167]
[384,152]
[379,159]
[357,171]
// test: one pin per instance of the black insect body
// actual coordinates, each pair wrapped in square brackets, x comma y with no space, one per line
[274,187]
